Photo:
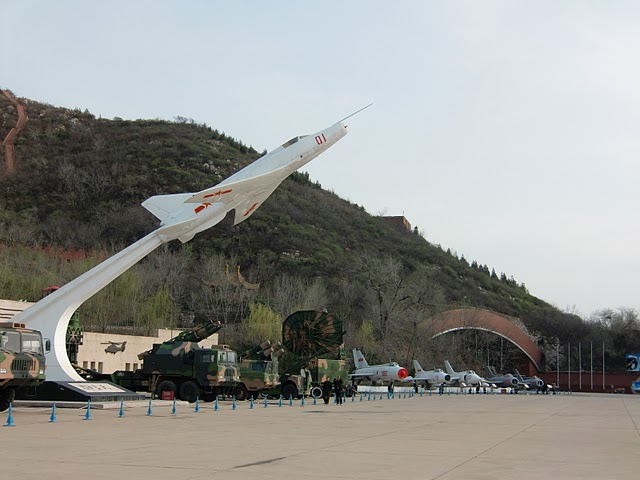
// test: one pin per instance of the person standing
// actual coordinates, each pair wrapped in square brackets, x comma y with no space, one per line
[326,391]
[338,388]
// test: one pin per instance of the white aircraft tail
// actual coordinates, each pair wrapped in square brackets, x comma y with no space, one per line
[358,359]
[164,205]
[448,368]
[417,367]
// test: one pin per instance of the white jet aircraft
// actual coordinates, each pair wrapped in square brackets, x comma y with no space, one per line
[376,373]
[432,378]
[463,379]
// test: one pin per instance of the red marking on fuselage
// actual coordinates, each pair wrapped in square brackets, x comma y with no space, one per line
[218,193]
[251,209]
[199,208]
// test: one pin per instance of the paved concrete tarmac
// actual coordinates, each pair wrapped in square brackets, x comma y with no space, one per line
[449,437]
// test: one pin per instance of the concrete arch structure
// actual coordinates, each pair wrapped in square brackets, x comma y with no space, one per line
[485,320]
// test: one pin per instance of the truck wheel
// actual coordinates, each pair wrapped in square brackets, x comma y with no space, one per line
[189,391]
[288,391]
[166,386]
[7,396]
[316,392]
[240,392]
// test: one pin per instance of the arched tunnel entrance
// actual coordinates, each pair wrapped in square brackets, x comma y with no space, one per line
[487,321]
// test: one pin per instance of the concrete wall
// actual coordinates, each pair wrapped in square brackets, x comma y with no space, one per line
[92,353]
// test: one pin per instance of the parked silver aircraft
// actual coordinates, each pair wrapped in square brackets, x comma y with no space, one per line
[505,381]
[431,378]
[463,379]
[534,382]
[376,373]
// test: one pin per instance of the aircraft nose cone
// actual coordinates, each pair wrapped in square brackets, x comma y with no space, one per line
[403,373]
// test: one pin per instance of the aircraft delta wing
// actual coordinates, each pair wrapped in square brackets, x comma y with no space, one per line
[386,372]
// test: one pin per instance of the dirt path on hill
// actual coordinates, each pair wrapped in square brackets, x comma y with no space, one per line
[8,141]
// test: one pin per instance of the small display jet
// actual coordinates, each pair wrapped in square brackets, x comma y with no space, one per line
[431,378]
[376,373]
[504,381]
[463,379]
[534,382]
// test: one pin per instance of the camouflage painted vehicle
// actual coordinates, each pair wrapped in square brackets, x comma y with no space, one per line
[22,362]
[182,369]
[259,369]
[309,381]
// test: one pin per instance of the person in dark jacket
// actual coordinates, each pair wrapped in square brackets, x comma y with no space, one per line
[338,388]
[326,390]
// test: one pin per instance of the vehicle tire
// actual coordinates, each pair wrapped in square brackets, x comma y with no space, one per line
[189,391]
[7,396]
[289,390]
[240,392]
[208,397]
[166,386]
[316,392]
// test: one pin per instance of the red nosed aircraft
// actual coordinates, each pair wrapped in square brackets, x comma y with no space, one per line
[386,372]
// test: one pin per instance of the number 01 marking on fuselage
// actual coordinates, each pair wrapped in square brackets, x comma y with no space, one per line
[320,139]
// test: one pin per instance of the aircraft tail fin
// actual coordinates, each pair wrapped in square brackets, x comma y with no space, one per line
[448,367]
[162,206]
[417,367]
[358,359]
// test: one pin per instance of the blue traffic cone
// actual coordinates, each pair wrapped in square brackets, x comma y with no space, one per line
[380,396]
[233,402]
[314,400]
[197,407]
[251,402]
[149,411]
[369,397]
[360,397]
[280,401]
[265,401]
[215,405]
[87,416]
[52,418]
[173,407]
[353,397]
[302,401]
[291,400]
[121,412]
[10,422]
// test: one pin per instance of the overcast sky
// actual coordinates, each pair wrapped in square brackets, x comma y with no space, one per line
[506,131]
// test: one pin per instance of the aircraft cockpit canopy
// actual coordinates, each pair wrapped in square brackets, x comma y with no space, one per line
[393,364]
[292,141]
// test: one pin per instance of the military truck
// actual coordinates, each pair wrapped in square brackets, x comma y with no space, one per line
[181,369]
[310,337]
[22,362]
[259,369]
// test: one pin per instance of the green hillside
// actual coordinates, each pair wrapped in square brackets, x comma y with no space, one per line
[75,197]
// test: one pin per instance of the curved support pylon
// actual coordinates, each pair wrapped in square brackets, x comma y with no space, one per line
[51,315]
